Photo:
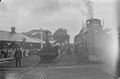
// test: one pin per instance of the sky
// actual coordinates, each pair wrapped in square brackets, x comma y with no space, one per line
[103,0]
[26,15]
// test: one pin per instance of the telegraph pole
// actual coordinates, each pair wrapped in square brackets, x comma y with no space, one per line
[41,33]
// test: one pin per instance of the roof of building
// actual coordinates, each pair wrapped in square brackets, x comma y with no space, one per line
[8,36]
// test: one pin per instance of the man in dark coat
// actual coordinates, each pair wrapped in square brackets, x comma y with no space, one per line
[6,53]
[18,56]
[2,54]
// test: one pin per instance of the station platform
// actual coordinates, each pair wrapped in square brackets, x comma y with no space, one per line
[6,59]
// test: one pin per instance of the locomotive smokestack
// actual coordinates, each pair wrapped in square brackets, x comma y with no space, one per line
[90,9]
[13,30]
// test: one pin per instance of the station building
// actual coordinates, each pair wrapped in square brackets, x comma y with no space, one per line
[12,39]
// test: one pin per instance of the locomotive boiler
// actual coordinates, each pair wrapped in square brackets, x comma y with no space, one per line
[92,40]
[95,43]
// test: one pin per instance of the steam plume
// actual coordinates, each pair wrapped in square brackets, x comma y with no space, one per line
[89,6]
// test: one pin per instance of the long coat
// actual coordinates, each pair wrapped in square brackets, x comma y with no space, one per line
[18,54]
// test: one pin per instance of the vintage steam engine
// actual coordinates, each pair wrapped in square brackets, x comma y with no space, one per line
[49,52]
[91,38]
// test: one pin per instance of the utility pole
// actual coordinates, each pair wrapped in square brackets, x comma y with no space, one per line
[47,35]
[41,33]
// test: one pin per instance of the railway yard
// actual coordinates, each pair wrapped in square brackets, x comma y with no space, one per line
[86,59]
[64,67]
[59,39]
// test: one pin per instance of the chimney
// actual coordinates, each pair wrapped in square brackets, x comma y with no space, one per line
[13,30]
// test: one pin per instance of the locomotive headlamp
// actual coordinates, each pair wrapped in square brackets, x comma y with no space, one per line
[88,22]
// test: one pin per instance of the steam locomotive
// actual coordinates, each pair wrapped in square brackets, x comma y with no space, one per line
[48,53]
[92,39]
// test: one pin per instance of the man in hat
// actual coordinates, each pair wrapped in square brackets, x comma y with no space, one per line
[2,54]
[18,56]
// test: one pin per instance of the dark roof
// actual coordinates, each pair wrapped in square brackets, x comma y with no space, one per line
[8,36]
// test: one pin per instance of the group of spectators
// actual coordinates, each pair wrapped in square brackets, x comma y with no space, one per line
[9,52]
[5,53]
[17,53]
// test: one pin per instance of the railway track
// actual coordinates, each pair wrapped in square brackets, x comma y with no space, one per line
[39,68]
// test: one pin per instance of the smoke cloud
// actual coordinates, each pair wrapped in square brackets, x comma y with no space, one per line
[51,14]
[50,6]
[90,8]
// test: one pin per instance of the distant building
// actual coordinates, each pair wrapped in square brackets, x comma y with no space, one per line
[39,33]
[11,39]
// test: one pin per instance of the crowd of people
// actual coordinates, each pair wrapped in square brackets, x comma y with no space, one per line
[17,53]
[9,52]
[5,53]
